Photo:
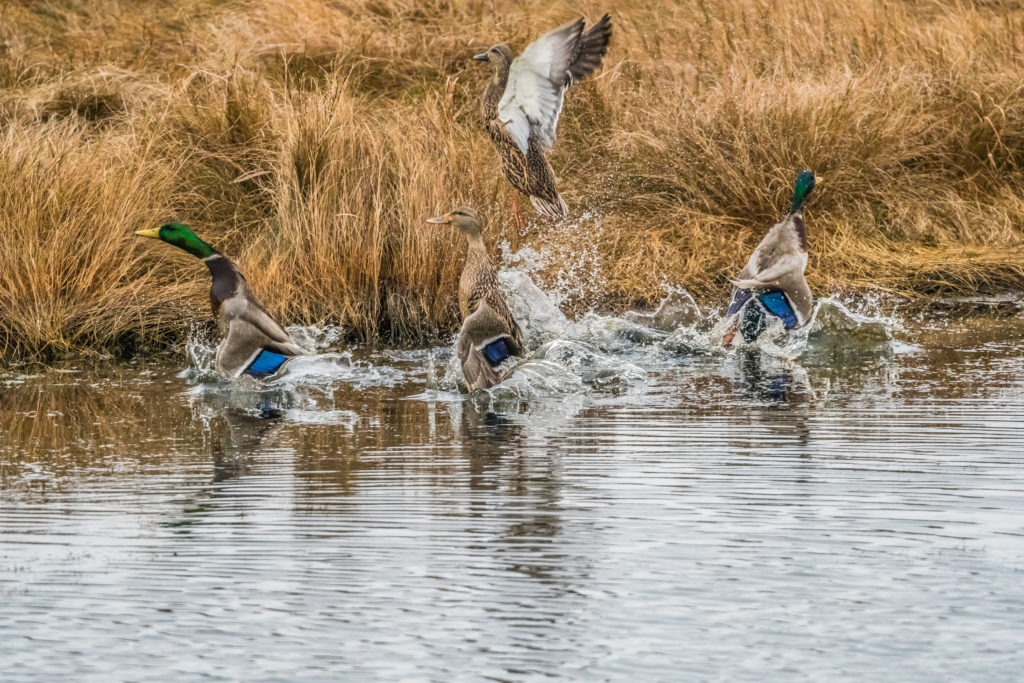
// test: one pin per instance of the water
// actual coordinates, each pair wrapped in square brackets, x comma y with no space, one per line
[631,503]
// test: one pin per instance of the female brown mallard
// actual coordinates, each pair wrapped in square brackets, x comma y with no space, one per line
[521,104]
[489,333]
[254,344]
[774,274]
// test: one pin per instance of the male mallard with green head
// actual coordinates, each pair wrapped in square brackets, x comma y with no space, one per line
[489,333]
[521,104]
[774,275]
[254,344]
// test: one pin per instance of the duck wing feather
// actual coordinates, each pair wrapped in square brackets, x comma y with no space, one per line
[537,80]
[484,326]
[249,330]
[779,256]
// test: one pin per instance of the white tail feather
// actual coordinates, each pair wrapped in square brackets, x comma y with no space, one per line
[558,211]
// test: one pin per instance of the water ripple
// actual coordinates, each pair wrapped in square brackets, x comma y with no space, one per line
[845,515]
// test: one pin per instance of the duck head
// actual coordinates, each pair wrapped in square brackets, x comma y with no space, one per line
[182,237]
[805,182]
[500,56]
[464,218]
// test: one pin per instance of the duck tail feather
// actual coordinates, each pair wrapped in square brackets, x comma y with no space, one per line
[556,208]
[478,373]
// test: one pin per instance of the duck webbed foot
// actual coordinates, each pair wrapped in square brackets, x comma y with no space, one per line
[516,216]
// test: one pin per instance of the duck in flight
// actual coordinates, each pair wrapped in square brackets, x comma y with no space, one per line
[523,99]
[254,343]
[489,334]
[772,283]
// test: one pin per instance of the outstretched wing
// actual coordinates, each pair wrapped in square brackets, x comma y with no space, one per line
[537,79]
[591,49]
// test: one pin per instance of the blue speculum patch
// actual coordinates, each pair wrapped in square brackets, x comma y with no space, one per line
[776,304]
[265,364]
[496,352]
[753,319]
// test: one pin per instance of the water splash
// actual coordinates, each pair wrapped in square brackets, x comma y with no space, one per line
[201,355]
[832,324]
[676,309]
[592,367]
[597,355]
[565,358]
[201,348]
[316,337]
[567,282]
[332,368]
[536,312]
[303,392]
[833,319]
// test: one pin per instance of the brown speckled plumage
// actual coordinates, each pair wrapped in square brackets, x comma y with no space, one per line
[486,317]
[479,285]
[530,173]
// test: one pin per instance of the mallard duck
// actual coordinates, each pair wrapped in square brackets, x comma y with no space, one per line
[254,343]
[489,333]
[521,104]
[774,274]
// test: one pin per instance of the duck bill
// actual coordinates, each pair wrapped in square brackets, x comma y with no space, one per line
[482,57]
[440,220]
[154,233]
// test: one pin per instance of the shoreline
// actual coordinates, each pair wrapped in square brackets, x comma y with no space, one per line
[309,143]
[1006,304]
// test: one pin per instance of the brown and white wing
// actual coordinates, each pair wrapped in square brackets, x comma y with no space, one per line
[476,371]
[239,348]
[477,331]
[499,309]
[537,80]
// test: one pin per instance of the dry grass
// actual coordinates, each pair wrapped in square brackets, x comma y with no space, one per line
[309,138]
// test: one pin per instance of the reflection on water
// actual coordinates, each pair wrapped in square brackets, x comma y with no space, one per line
[625,508]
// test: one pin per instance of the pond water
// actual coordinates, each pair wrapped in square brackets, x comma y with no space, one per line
[629,504]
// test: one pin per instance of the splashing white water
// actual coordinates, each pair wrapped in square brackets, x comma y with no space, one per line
[567,281]
[832,323]
[597,354]
[565,357]
[316,368]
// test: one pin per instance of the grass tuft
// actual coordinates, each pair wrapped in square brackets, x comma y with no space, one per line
[309,139]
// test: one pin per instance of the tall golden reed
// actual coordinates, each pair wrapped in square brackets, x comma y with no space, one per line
[309,139]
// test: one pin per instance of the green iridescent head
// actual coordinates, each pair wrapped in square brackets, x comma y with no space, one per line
[182,237]
[802,189]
